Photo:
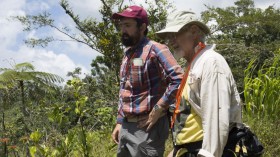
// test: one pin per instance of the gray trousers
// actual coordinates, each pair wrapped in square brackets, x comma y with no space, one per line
[136,142]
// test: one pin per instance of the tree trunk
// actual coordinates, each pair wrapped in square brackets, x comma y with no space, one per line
[23,107]
[86,154]
[5,153]
[5,150]
[25,115]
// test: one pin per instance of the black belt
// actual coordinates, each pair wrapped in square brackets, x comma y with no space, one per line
[135,119]
[192,147]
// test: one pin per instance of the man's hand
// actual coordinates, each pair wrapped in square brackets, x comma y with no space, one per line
[116,132]
[154,115]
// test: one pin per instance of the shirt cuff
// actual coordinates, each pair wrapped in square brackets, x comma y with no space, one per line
[205,153]
[163,102]
[119,120]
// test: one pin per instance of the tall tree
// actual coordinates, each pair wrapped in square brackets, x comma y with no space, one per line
[22,73]
[25,72]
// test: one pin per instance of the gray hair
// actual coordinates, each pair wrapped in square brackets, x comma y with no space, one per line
[202,34]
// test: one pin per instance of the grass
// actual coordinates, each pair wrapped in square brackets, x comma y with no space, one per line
[265,129]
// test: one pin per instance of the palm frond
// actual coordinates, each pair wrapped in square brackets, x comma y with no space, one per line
[25,66]
[8,76]
[47,77]
[25,72]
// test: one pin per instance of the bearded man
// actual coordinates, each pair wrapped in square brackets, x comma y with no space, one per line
[150,77]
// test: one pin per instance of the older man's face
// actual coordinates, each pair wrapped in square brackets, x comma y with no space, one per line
[182,43]
[170,40]
[185,41]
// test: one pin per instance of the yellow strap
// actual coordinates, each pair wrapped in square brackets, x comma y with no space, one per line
[181,152]
[182,85]
[237,148]
[244,150]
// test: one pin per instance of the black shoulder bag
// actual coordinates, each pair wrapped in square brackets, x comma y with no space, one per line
[242,142]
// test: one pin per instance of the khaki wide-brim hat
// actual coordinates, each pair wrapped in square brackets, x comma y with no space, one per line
[177,20]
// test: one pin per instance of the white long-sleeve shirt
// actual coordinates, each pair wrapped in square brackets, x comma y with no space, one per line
[213,95]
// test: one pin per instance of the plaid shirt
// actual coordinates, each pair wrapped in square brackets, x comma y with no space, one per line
[149,75]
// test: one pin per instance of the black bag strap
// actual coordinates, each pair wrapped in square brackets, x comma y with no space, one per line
[191,147]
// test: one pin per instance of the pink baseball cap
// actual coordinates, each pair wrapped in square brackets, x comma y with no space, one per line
[133,12]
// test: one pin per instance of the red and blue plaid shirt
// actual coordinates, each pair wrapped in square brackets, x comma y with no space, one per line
[149,75]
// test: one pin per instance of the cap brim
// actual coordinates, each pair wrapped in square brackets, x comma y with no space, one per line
[120,15]
[174,29]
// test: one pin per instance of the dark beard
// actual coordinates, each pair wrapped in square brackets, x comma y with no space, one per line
[130,40]
[127,40]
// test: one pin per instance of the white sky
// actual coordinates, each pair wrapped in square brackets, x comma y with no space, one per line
[62,57]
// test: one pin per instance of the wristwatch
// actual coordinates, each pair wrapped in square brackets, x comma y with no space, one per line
[156,107]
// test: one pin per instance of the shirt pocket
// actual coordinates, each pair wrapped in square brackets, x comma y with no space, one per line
[194,83]
[136,76]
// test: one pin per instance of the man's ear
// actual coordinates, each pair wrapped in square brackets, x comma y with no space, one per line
[143,27]
[194,29]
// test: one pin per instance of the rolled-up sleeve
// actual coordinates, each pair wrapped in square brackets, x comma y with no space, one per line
[173,72]
[120,115]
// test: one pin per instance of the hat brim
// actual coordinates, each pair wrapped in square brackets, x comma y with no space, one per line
[175,29]
[203,26]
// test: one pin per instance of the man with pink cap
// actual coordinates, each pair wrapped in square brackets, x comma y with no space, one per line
[150,77]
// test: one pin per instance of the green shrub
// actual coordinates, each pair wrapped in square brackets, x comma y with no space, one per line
[262,102]
[262,91]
